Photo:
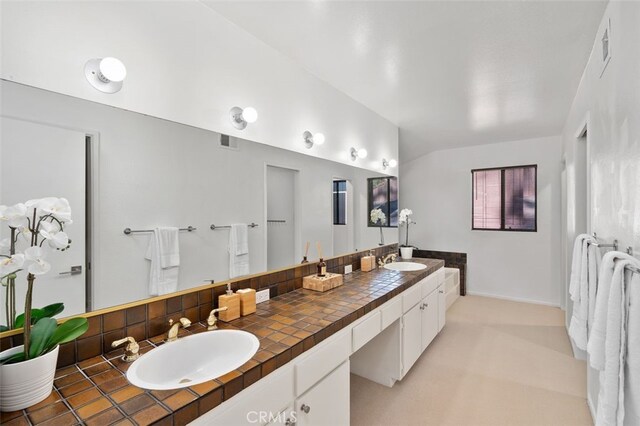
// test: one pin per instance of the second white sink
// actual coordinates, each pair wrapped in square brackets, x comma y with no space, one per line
[405,266]
[192,360]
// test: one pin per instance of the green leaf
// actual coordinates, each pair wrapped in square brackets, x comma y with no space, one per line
[41,333]
[19,357]
[38,313]
[52,310]
[68,331]
[3,328]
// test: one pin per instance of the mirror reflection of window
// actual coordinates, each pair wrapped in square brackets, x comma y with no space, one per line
[383,194]
[339,202]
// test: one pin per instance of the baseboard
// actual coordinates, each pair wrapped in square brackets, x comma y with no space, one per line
[513,299]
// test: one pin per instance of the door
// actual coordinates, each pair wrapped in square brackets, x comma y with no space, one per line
[429,308]
[328,402]
[411,337]
[442,307]
[281,186]
[38,161]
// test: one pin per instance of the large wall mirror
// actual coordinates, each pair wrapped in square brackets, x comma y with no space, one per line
[121,169]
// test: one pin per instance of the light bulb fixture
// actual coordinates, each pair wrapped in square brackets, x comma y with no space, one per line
[105,74]
[241,117]
[390,163]
[311,139]
[358,153]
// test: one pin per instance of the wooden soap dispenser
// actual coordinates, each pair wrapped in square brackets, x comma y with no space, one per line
[368,263]
[231,301]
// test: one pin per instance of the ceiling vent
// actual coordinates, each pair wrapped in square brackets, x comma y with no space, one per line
[228,142]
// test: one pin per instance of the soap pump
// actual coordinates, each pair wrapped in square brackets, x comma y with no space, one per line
[231,301]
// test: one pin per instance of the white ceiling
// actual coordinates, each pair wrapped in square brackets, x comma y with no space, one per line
[449,74]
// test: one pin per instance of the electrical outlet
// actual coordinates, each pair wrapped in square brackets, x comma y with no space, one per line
[348,269]
[262,296]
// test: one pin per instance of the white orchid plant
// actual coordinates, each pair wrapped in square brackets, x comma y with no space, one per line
[35,223]
[404,218]
[378,217]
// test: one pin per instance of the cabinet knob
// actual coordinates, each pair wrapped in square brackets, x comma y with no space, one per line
[305,408]
[289,423]
[441,291]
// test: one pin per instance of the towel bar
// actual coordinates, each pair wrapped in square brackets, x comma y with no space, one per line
[129,231]
[214,227]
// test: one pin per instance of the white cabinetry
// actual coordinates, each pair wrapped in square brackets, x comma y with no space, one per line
[411,337]
[429,318]
[442,307]
[328,402]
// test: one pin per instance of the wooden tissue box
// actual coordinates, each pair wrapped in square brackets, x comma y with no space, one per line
[316,283]
[367,263]
[247,301]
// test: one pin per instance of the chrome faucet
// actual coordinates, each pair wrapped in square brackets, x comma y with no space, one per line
[212,320]
[173,331]
[130,351]
[384,260]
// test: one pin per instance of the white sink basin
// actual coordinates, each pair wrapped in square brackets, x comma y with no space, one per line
[405,266]
[193,359]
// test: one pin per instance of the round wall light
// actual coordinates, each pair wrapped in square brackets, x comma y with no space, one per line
[311,139]
[390,163]
[105,74]
[241,117]
[358,153]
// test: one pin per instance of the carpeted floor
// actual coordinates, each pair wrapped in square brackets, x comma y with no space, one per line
[496,362]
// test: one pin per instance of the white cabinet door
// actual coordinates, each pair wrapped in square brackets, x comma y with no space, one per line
[326,403]
[442,307]
[429,310]
[411,337]
[286,417]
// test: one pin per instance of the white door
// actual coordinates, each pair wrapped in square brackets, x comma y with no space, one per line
[328,402]
[39,161]
[429,318]
[281,184]
[442,307]
[411,337]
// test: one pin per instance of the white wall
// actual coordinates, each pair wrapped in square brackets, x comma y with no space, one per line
[153,172]
[610,105]
[516,265]
[281,237]
[188,64]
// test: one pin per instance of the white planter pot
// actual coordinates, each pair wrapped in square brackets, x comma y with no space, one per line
[26,383]
[406,252]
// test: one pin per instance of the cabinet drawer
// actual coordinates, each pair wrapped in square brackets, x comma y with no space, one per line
[366,330]
[322,360]
[391,311]
[411,297]
[432,282]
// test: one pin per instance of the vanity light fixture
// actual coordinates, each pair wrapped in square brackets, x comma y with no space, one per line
[310,139]
[105,74]
[241,117]
[390,163]
[358,153]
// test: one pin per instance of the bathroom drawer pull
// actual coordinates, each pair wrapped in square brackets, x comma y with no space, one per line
[75,270]
[305,408]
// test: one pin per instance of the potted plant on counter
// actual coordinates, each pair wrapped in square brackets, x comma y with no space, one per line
[378,217]
[27,371]
[406,251]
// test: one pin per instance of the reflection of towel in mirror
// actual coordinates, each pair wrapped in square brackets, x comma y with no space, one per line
[164,253]
[238,250]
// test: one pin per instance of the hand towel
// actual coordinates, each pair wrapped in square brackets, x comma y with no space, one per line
[632,367]
[597,334]
[241,237]
[595,260]
[581,285]
[238,251]
[611,409]
[163,252]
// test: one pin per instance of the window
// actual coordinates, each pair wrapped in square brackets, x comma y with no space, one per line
[339,202]
[383,194]
[504,199]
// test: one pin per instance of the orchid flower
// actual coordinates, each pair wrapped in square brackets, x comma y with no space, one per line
[5,246]
[59,208]
[377,215]
[9,265]
[405,215]
[35,259]
[52,232]
[15,215]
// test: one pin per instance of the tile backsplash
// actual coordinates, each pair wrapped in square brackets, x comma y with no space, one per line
[150,318]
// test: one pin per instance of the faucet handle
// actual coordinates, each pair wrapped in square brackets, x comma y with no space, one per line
[130,351]
[212,320]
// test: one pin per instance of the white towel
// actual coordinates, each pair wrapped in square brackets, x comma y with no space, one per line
[595,260]
[632,369]
[164,253]
[238,251]
[611,410]
[241,238]
[580,288]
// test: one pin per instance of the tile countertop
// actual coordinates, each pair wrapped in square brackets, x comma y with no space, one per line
[96,391]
